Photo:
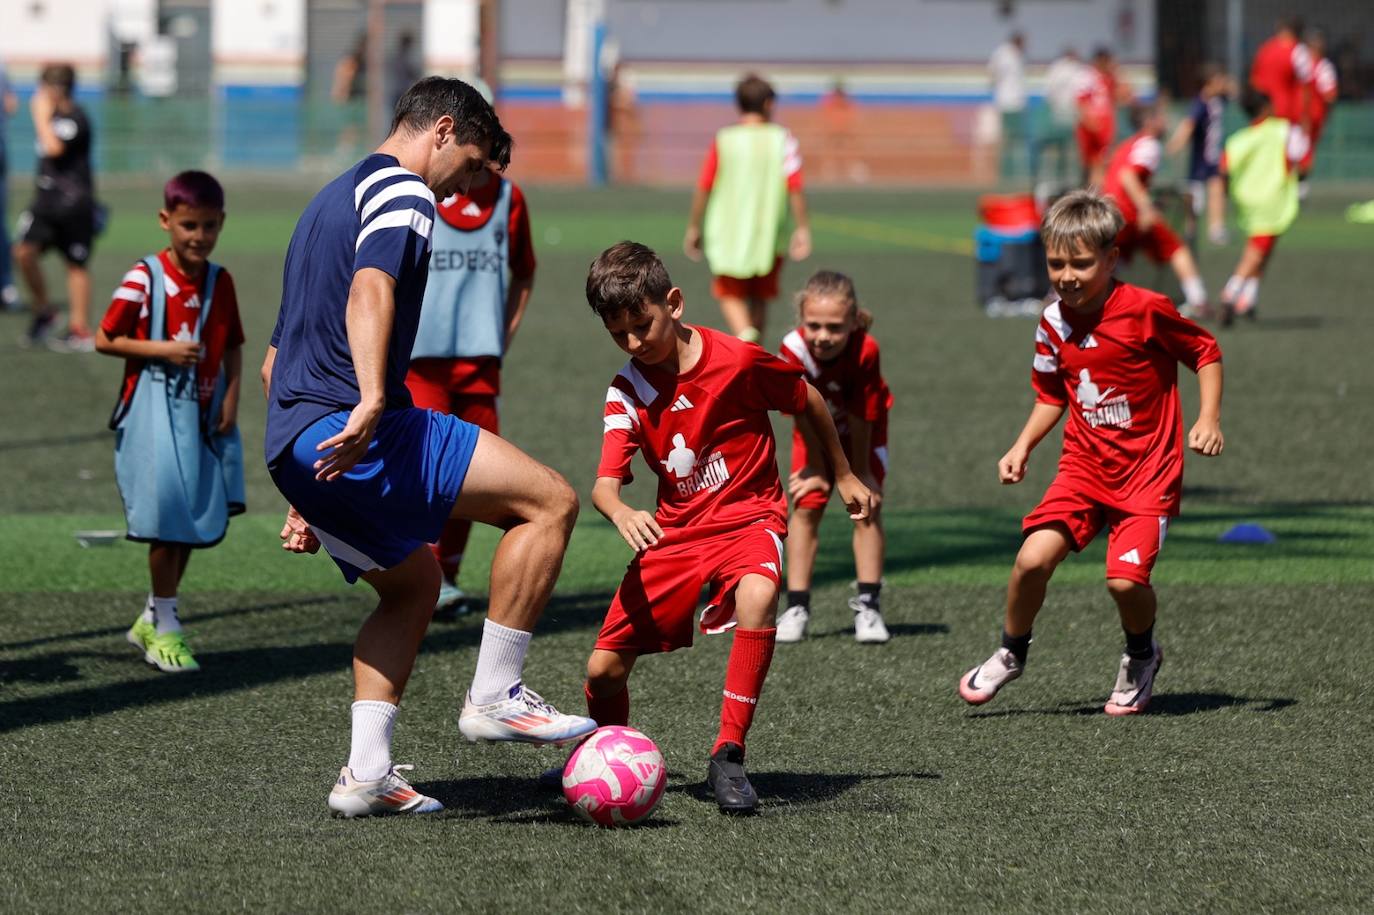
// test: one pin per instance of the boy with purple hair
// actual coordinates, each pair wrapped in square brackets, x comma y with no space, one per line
[178,458]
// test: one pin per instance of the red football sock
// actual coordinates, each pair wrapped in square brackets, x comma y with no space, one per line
[744,674]
[449,549]
[608,710]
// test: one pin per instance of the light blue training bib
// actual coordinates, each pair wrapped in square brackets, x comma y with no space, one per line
[179,480]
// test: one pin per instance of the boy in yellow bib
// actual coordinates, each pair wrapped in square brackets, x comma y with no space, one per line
[751,176]
[1261,163]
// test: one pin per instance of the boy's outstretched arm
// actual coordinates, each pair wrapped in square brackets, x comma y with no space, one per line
[1043,417]
[638,527]
[1146,214]
[1205,436]
[857,499]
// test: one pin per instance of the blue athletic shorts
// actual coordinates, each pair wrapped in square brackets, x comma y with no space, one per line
[394,500]
[1202,170]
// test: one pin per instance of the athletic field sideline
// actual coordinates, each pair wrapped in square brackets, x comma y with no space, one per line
[1240,790]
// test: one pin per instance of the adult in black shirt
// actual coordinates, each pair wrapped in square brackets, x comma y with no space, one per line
[62,214]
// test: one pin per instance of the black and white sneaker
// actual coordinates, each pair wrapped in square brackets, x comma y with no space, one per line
[726,779]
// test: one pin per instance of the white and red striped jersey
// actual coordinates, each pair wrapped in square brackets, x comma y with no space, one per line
[706,434]
[1097,102]
[1325,88]
[129,316]
[851,383]
[1116,371]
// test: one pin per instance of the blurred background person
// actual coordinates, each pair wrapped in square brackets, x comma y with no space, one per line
[1202,132]
[62,214]
[9,295]
[1056,128]
[1007,69]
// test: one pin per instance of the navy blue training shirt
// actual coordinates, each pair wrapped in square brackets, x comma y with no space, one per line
[376,214]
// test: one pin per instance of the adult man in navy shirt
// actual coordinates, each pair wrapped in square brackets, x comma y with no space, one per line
[371,477]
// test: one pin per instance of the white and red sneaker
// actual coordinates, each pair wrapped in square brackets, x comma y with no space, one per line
[389,794]
[522,716]
[1135,684]
[982,683]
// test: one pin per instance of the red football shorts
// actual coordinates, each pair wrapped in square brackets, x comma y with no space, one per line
[1092,145]
[755,288]
[1133,541]
[430,394]
[654,607]
[877,462]
[1264,244]
[1158,242]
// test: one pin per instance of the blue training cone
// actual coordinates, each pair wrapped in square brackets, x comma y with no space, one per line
[1247,533]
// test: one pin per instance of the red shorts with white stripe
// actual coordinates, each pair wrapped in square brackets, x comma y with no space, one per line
[1158,242]
[877,463]
[654,607]
[1133,541]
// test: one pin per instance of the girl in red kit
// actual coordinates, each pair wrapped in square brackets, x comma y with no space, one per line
[840,358]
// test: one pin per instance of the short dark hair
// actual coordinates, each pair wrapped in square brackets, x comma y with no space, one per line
[193,189]
[60,76]
[753,93]
[1253,102]
[474,119]
[624,277]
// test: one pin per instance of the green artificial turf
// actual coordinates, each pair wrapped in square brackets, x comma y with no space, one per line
[1241,790]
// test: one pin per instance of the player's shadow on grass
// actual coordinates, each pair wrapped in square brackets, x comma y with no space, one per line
[895,629]
[233,670]
[505,799]
[779,791]
[1168,704]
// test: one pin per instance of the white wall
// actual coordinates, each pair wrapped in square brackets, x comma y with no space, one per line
[258,41]
[449,37]
[35,32]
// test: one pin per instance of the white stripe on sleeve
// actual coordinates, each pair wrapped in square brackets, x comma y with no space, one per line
[130,295]
[137,277]
[380,174]
[615,395]
[617,421]
[399,189]
[1042,337]
[1045,364]
[399,219]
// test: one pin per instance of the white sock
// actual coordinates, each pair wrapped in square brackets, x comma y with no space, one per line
[500,661]
[165,615]
[369,756]
[1249,295]
[1194,291]
[148,616]
[1231,291]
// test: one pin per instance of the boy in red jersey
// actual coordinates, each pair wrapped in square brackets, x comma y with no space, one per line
[1109,354]
[1321,96]
[1128,185]
[696,403]
[840,358]
[751,176]
[178,461]
[481,274]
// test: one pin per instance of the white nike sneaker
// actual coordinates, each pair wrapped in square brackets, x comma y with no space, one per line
[792,624]
[869,628]
[452,603]
[982,683]
[522,716]
[389,794]
[1135,684]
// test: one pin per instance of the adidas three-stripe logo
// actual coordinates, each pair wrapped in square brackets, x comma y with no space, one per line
[1132,556]
[682,403]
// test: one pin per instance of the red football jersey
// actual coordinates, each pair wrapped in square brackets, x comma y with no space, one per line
[128,316]
[851,383]
[1139,153]
[707,435]
[1117,371]
[1281,67]
[1324,91]
[1097,102]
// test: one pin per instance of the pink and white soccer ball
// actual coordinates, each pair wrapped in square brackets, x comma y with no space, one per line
[615,777]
